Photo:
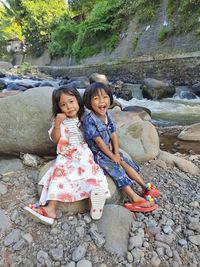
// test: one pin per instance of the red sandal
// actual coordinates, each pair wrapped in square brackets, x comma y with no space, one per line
[138,206]
[150,190]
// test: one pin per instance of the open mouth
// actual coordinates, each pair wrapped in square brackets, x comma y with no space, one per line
[102,109]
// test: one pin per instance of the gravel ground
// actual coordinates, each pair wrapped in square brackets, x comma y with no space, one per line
[170,236]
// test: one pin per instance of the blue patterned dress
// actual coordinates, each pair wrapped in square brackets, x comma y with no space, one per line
[94,127]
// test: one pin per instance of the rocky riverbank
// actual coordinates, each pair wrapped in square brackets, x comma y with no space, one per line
[170,236]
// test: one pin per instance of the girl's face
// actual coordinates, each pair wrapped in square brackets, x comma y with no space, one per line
[69,105]
[100,103]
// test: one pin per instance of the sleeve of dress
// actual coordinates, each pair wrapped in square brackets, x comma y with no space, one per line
[112,124]
[89,129]
[50,131]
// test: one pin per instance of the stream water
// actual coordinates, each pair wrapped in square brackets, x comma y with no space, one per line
[168,111]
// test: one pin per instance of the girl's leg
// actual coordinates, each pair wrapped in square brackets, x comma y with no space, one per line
[153,192]
[50,208]
[133,174]
[135,198]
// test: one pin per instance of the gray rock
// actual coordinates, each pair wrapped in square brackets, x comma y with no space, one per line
[190,133]
[42,255]
[13,237]
[116,231]
[28,237]
[71,264]
[10,166]
[84,263]
[5,221]
[195,239]
[19,245]
[78,253]
[3,189]
[57,253]
[98,239]
[155,261]
[182,242]
[14,134]
[135,242]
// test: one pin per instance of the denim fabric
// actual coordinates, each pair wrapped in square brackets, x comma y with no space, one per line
[93,127]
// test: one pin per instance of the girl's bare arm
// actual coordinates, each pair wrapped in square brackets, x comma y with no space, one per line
[115,143]
[104,148]
[55,134]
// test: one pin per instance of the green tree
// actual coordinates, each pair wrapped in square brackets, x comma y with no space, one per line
[11,19]
[82,7]
[40,18]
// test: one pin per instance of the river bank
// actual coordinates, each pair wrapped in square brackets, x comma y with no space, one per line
[170,143]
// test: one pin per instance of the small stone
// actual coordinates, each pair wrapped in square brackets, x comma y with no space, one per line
[28,237]
[13,237]
[71,264]
[78,253]
[84,263]
[3,189]
[19,245]
[194,204]
[195,239]
[155,261]
[129,257]
[182,242]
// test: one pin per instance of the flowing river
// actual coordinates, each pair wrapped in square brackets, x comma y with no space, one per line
[168,111]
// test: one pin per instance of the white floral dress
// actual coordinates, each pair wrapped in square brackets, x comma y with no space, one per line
[74,172]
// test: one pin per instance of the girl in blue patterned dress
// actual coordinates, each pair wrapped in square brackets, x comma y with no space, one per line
[100,134]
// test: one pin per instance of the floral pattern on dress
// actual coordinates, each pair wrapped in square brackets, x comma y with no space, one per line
[74,172]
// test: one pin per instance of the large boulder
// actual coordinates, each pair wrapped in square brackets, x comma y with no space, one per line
[182,164]
[155,89]
[25,119]
[5,65]
[190,133]
[137,135]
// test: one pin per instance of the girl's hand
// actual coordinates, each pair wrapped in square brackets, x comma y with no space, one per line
[60,117]
[116,158]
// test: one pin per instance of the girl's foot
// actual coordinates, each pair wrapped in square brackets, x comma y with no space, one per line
[51,213]
[146,202]
[39,214]
[150,190]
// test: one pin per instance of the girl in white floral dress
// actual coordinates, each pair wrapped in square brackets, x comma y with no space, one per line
[75,175]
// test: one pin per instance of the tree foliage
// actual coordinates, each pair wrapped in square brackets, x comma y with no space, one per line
[11,19]
[39,19]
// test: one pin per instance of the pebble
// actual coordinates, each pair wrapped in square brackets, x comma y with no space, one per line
[78,253]
[155,261]
[84,263]
[3,189]
[195,239]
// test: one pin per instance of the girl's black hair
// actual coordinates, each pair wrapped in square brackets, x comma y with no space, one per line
[68,90]
[93,90]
